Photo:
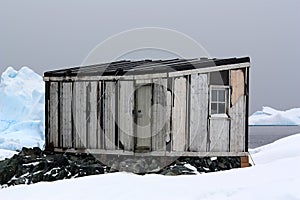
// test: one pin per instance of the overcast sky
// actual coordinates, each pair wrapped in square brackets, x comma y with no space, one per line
[51,34]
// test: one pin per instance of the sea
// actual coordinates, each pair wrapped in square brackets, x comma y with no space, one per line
[262,135]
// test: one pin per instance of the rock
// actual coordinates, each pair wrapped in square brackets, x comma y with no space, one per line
[114,167]
[62,174]
[59,160]
[38,177]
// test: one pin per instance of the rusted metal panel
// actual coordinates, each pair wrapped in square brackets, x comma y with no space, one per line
[53,115]
[219,134]
[66,114]
[109,114]
[198,113]
[126,118]
[159,114]
[179,114]
[92,118]
[79,112]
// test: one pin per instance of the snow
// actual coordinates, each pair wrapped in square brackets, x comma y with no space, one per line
[275,176]
[6,154]
[269,116]
[21,109]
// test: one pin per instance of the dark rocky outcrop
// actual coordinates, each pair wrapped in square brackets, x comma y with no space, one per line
[32,165]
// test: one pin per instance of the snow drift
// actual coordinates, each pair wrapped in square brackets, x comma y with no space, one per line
[271,117]
[21,109]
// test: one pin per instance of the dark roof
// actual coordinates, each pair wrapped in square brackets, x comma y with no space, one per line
[128,67]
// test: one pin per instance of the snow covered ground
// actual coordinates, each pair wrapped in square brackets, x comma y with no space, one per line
[275,176]
[6,154]
[21,109]
[271,117]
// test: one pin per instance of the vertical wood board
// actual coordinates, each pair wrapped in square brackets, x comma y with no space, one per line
[53,115]
[237,111]
[159,114]
[198,113]
[79,110]
[179,114]
[143,116]
[66,114]
[92,118]
[237,82]
[126,120]
[109,115]
[219,135]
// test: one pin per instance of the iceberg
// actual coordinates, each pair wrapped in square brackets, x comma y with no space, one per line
[272,117]
[21,109]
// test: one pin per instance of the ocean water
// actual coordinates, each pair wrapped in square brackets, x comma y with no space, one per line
[262,135]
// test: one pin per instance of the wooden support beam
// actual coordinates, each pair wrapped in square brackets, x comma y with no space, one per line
[244,161]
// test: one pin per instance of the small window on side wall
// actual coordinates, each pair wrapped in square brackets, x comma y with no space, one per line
[218,100]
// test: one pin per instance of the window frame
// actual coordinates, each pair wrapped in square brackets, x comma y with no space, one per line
[227,100]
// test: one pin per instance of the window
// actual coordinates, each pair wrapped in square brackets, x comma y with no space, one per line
[218,100]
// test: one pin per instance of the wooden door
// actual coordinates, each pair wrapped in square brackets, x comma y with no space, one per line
[143,118]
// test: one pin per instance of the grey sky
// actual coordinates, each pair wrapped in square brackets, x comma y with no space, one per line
[46,35]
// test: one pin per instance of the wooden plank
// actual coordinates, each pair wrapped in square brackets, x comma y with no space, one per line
[244,161]
[66,114]
[159,114]
[237,111]
[109,115]
[125,118]
[153,153]
[80,114]
[92,118]
[237,82]
[100,132]
[53,115]
[168,116]
[219,134]
[179,115]
[198,113]
[143,117]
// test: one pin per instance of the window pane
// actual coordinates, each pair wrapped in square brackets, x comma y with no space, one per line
[214,94]
[222,108]
[214,108]
[222,95]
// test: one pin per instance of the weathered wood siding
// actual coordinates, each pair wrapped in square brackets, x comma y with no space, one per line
[109,114]
[168,117]
[143,116]
[126,118]
[179,114]
[66,114]
[219,134]
[198,113]
[92,118]
[53,115]
[237,111]
[100,132]
[159,114]
[79,114]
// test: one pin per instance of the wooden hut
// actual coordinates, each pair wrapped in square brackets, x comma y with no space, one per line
[180,107]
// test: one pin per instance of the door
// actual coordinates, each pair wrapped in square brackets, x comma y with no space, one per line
[143,118]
